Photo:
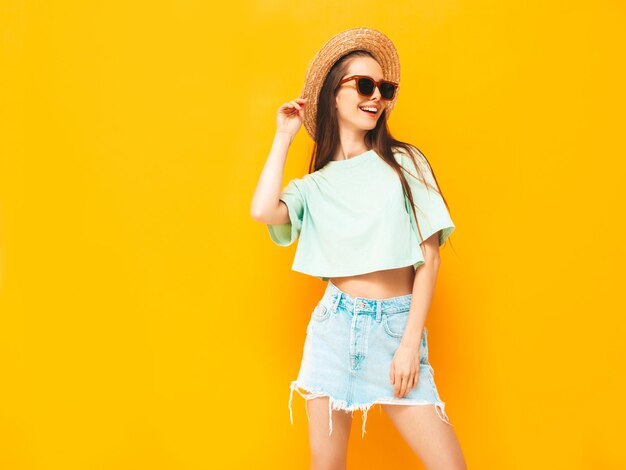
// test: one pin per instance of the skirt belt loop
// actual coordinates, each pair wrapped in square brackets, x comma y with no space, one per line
[336,303]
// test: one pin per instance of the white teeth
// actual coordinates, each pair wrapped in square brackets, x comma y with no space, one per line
[367,108]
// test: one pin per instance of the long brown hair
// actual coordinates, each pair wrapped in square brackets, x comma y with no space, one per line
[379,139]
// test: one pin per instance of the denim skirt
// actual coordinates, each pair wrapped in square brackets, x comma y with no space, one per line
[350,343]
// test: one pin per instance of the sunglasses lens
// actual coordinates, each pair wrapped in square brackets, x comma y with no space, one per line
[387,90]
[366,86]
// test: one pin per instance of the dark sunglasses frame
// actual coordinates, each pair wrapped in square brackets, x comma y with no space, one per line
[360,78]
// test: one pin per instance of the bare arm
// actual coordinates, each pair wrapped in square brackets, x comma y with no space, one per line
[266,207]
[405,366]
[423,290]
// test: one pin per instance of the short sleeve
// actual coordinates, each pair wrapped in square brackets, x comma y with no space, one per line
[432,213]
[294,196]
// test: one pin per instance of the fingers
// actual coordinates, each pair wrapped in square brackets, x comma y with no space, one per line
[403,384]
[293,106]
[400,387]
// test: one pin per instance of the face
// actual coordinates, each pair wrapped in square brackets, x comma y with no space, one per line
[349,102]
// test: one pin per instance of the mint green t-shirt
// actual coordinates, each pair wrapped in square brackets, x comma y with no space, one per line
[352,218]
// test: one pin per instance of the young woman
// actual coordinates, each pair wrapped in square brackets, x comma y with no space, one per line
[370,219]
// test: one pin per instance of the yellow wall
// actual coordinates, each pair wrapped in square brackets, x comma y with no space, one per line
[146,321]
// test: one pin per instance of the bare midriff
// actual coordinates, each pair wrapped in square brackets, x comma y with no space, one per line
[378,284]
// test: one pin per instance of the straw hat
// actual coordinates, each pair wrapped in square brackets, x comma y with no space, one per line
[371,40]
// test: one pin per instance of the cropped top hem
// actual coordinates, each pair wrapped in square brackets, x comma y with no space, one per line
[414,261]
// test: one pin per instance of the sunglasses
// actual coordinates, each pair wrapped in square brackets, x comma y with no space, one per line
[365,86]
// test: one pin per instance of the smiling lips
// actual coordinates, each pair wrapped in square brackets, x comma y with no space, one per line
[370,110]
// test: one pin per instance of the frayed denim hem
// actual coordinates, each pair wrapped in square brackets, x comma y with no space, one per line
[334,404]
